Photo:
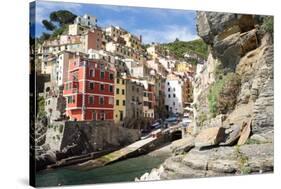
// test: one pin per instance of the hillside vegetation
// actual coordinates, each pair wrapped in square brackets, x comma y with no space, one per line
[179,48]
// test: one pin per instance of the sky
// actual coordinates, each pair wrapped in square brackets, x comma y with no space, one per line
[155,25]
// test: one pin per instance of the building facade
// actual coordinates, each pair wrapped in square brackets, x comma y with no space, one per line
[134,99]
[120,100]
[173,94]
[89,89]
[86,20]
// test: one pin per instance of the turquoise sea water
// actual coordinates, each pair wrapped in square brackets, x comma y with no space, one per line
[122,171]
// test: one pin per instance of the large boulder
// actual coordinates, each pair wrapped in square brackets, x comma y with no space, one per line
[210,137]
[232,134]
[183,145]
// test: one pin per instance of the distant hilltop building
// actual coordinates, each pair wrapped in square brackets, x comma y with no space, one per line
[82,24]
[86,20]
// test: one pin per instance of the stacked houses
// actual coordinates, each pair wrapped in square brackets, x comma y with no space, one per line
[106,74]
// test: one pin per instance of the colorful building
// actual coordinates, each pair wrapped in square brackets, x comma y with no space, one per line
[132,41]
[120,100]
[115,32]
[89,89]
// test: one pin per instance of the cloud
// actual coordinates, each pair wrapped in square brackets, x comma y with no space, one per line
[166,34]
[130,22]
[44,8]
[119,9]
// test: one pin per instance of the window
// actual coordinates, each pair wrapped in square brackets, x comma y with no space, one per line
[111,100]
[118,81]
[174,95]
[91,100]
[123,91]
[123,81]
[91,86]
[101,100]
[111,76]
[133,88]
[117,90]
[174,103]
[169,96]
[102,75]
[144,94]
[102,66]
[169,89]
[110,88]
[101,87]
[174,89]
[133,98]
[117,102]
[123,102]
[71,99]
[137,89]
[92,73]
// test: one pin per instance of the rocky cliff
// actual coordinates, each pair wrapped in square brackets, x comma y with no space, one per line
[239,46]
[233,102]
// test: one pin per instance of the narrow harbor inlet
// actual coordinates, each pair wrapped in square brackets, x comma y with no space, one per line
[122,171]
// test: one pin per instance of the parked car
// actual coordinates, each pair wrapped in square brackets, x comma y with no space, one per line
[171,121]
[156,125]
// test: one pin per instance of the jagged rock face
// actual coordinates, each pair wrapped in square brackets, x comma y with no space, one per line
[256,70]
[237,43]
[230,35]
[222,161]
[212,24]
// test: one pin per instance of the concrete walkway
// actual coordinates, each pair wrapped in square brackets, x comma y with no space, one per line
[111,157]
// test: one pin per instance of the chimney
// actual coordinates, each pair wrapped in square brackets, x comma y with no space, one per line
[140,38]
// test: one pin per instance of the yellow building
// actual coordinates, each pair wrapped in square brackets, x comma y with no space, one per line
[120,100]
[132,41]
[184,67]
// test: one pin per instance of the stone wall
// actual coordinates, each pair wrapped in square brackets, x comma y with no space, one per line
[97,135]
[54,136]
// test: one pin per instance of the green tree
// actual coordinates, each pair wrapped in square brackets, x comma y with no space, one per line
[44,36]
[62,17]
[48,25]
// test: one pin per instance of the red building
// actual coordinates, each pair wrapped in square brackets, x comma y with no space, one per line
[89,89]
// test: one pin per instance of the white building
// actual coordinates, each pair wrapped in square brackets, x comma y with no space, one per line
[86,20]
[62,68]
[101,54]
[173,94]
[168,63]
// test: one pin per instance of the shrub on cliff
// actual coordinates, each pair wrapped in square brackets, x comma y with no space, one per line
[228,95]
[267,24]
[223,93]
[213,96]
